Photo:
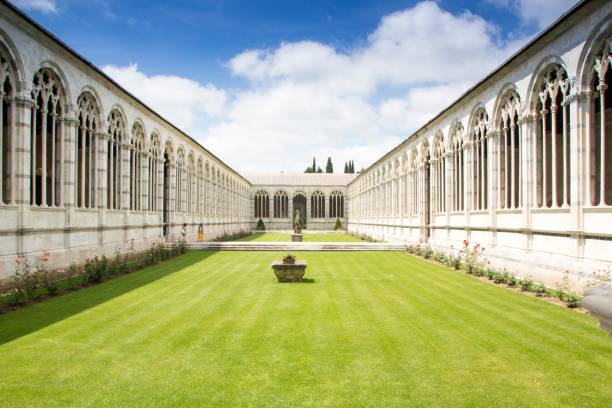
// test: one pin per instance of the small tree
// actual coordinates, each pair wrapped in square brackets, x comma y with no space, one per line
[319,170]
[260,225]
[338,225]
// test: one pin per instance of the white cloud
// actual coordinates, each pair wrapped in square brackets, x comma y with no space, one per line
[184,102]
[46,6]
[539,12]
[306,98]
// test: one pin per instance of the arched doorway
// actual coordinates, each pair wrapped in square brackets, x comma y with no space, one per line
[299,203]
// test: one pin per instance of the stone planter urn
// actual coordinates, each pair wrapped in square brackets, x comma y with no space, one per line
[287,272]
[599,302]
[296,237]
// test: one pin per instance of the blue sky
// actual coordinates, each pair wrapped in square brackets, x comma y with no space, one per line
[294,79]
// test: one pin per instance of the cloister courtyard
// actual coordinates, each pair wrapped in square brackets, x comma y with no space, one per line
[366,329]
[465,262]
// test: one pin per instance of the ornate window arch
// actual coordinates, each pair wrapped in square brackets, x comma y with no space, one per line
[552,138]
[137,153]
[414,181]
[509,150]
[479,134]
[7,143]
[47,151]
[336,204]
[88,124]
[439,173]
[281,204]
[154,160]
[262,204]
[600,127]
[180,180]
[190,194]
[116,136]
[207,189]
[199,188]
[317,205]
[457,164]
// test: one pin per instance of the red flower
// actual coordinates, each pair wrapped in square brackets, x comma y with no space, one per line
[465,242]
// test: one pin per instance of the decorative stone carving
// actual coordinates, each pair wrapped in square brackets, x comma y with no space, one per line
[289,272]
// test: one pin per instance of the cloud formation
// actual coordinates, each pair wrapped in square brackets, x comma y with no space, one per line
[46,6]
[184,102]
[307,98]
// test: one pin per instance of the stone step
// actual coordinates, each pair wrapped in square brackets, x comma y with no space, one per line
[295,246]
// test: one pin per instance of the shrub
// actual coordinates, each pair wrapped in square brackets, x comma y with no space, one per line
[338,225]
[260,225]
[455,261]
[513,281]
[95,269]
[427,253]
[572,300]
[540,290]
[289,259]
[527,285]
[472,258]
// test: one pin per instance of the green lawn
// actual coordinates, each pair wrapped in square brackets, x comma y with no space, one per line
[275,237]
[384,329]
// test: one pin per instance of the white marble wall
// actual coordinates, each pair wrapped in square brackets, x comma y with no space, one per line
[68,232]
[391,198]
[325,223]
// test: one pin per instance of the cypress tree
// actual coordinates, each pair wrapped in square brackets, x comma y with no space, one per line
[346,169]
[329,167]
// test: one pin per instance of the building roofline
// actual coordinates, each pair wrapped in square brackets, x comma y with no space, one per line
[91,65]
[473,88]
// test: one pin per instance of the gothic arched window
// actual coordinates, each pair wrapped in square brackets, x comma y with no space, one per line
[457,164]
[600,152]
[480,160]
[509,151]
[552,139]
[154,159]
[137,153]
[336,205]
[438,176]
[46,140]
[262,205]
[7,145]
[116,131]
[281,205]
[85,161]
[317,205]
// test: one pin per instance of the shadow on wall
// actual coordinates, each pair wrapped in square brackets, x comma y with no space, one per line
[30,319]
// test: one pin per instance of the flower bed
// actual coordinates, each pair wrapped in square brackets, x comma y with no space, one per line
[470,258]
[33,281]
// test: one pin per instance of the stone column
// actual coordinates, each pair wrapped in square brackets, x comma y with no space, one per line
[68,180]
[20,191]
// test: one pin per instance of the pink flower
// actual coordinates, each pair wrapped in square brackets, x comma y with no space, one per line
[18,260]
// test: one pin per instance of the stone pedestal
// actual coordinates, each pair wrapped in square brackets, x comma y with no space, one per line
[289,272]
[296,237]
[599,302]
